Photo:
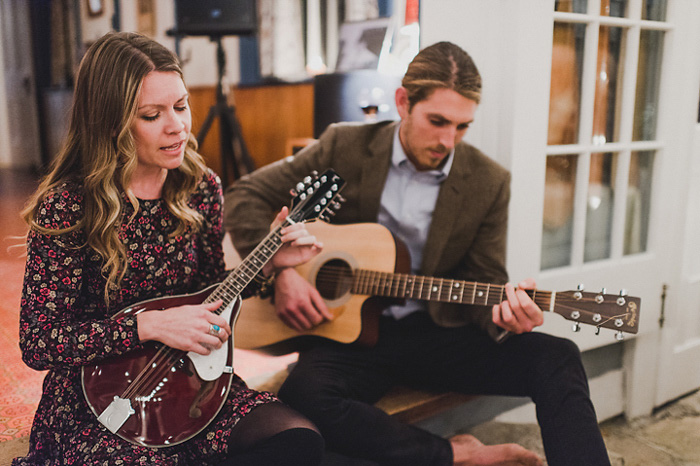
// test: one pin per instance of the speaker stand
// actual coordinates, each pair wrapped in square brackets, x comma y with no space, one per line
[234,152]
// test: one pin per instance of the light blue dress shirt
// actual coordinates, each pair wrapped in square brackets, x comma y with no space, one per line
[406,209]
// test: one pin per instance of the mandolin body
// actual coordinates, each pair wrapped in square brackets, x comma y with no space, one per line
[174,402]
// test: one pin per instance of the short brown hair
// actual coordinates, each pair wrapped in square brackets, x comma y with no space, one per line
[442,65]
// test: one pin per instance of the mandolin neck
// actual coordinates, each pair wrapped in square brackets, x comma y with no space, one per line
[234,284]
[405,286]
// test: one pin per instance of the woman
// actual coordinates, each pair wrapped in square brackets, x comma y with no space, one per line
[130,212]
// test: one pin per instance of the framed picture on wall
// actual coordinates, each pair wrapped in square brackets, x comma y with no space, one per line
[361,44]
[95,7]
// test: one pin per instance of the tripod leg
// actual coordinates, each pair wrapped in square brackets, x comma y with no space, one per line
[241,154]
[206,125]
[204,130]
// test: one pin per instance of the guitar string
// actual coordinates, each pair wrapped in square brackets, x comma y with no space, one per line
[389,284]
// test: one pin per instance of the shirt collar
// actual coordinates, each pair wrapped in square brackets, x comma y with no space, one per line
[399,159]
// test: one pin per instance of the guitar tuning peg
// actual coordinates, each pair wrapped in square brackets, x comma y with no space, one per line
[335,205]
[307,180]
[331,212]
[576,327]
[623,292]
[619,336]
[293,192]
[597,330]
[602,291]
[340,198]
[300,187]
[580,287]
[314,173]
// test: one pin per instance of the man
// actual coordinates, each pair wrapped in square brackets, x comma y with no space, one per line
[449,203]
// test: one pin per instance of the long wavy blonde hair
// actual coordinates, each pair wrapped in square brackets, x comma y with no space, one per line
[99,152]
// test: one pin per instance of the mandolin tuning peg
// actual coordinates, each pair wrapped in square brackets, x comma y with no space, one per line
[580,287]
[300,187]
[335,205]
[293,192]
[314,173]
[340,198]
[576,327]
[597,330]
[623,292]
[619,336]
[330,212]
[307,180]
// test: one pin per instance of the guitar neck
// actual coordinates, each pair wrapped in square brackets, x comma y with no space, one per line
[405,286]
[248,269]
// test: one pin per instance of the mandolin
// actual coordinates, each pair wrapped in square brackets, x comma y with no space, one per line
[157,396]
[358,274]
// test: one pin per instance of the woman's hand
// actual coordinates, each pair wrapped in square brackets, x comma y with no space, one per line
[187,328]
[299,246]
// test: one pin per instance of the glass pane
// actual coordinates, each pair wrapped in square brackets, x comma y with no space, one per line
[605,109]
[565,90]
[616,8]
[599,207]
[571,6]
[638,202]
[654,10]
[560,185]
[646,104]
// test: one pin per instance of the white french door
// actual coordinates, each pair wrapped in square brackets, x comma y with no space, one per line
[592,105]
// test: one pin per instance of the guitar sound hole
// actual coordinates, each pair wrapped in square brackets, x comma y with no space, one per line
[334,279]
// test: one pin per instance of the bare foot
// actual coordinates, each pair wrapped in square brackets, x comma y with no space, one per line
[468,451]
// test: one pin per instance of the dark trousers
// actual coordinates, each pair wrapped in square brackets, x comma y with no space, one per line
[335,386]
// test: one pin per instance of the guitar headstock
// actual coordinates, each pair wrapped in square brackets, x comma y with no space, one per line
[316,196]
[617,312]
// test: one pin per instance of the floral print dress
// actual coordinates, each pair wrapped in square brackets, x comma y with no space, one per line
[65,324]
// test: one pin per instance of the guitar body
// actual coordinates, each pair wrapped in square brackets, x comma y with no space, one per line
[173,404]
[363,268]
[356,315]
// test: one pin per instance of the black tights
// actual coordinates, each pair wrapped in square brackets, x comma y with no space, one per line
[274,434]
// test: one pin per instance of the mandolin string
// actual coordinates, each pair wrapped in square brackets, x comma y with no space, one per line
[166,357]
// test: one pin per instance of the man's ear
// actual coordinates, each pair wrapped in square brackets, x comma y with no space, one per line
[402,104]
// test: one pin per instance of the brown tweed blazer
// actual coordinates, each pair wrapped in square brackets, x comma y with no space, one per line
[467,237]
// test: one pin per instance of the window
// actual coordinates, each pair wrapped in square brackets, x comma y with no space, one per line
[601,142]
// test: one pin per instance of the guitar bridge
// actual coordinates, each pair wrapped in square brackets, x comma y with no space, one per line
[115,415]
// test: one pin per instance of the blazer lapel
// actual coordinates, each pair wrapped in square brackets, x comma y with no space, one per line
[374,172]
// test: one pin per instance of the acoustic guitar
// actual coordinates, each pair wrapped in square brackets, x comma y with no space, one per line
[157,396]
[359,273]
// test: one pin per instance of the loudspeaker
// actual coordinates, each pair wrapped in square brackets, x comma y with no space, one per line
[215,17]
[360,95]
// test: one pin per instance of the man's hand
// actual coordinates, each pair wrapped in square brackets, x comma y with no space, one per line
[518,313]
[298,304]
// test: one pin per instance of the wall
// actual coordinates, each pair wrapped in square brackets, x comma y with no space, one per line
[5,160]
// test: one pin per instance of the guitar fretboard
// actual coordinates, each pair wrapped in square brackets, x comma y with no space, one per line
[397,285]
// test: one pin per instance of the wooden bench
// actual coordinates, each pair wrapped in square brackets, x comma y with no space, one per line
[406,404]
